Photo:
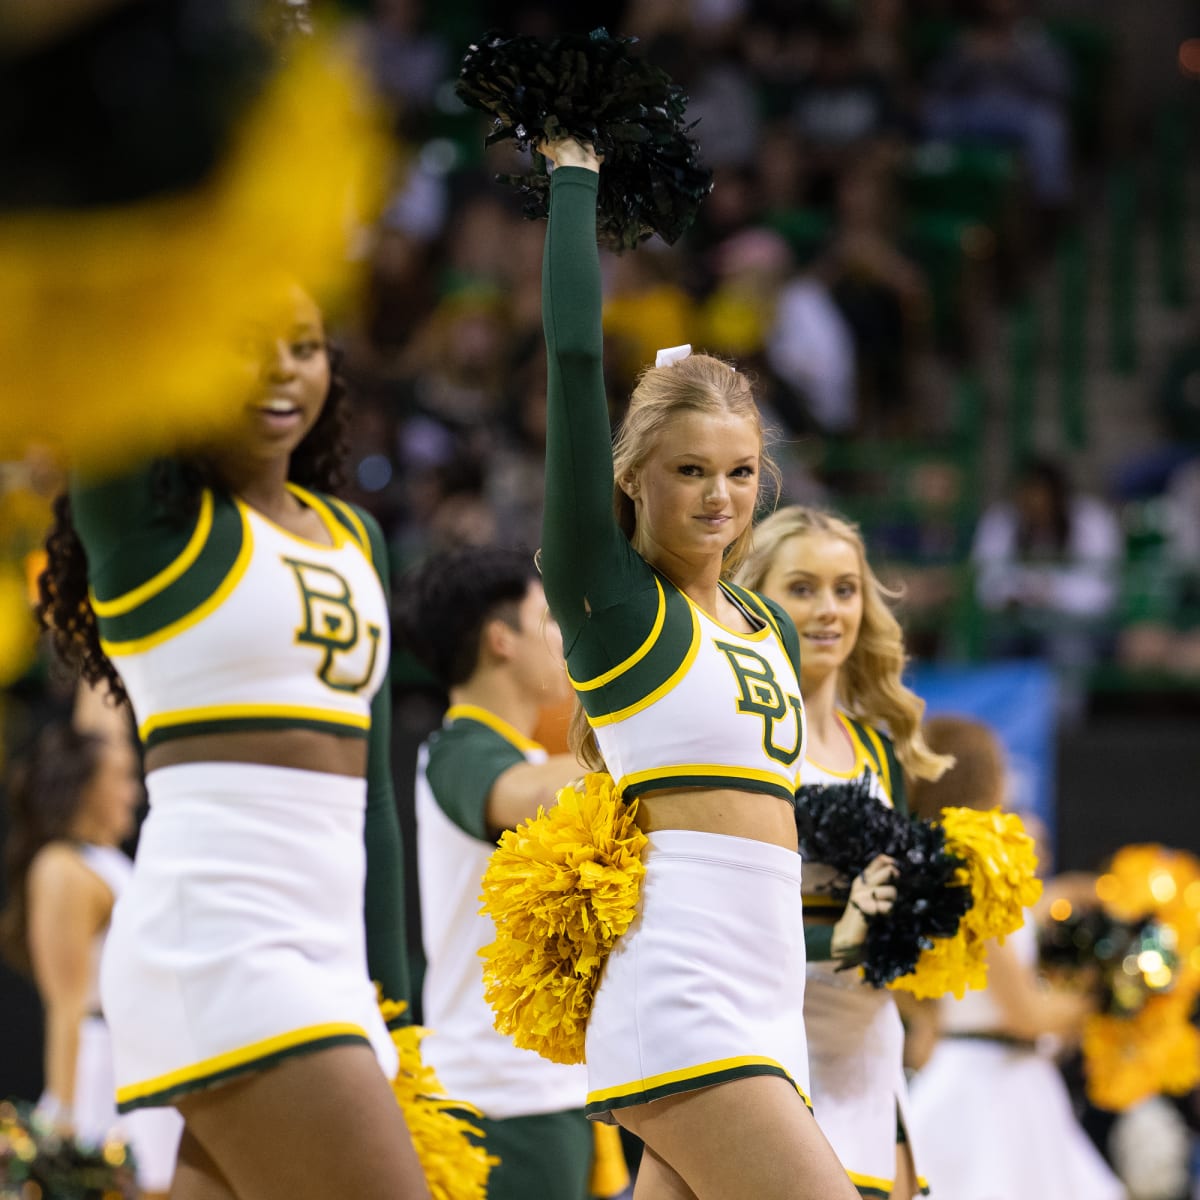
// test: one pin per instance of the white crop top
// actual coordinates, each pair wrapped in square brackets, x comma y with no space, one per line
[285,632]
[729,715]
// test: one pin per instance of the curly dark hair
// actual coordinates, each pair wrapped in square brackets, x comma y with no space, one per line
[64,609]
[45,788]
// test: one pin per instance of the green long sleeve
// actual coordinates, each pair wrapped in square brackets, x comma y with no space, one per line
[588,565]
[383,900]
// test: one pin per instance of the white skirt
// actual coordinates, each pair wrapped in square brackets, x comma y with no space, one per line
[995,1123]
[240,939]
[856,1055]
[153,1134]
[707,983]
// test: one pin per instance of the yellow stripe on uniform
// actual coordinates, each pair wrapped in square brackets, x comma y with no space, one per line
[722,772]
[682,1076]
[663,688]
[130,600]
[885,770]
[588,685]
[767,615]
[236,1058]
[871,1181]
[231,580]
[757,635]
[233,712]
[472,712]
[337,530]
[360,530]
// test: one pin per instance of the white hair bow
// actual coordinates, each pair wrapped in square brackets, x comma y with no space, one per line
[671,355]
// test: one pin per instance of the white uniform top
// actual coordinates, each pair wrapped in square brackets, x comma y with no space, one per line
[729,716]
[317,663]
[474,1062]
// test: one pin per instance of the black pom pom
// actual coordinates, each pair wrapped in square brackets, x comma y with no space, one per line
[845,826]
[590,87]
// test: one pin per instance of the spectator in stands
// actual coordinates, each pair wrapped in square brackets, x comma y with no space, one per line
[1005,80]
[1047,560]
[881,293]
[844,110]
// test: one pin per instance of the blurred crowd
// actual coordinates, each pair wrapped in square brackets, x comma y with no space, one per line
[889,177]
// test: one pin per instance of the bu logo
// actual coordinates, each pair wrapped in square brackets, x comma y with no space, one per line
[331,623]
[759,693]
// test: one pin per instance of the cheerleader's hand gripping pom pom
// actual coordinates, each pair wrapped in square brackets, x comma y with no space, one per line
[847,827]
[455,1166]
[592,88]
[560,888]
[999,869]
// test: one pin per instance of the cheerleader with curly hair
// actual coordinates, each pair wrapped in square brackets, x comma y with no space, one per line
[861,718]
[242,611]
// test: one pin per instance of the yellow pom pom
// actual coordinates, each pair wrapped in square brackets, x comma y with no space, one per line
[122,327]
[1130,1058]
[1000,865]
[455,1167]
[560,888]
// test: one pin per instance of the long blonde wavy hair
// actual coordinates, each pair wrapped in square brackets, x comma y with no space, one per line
[700,383]
[869,682]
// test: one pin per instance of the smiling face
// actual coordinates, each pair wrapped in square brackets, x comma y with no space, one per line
[818,579]
[696,490]
[290,364]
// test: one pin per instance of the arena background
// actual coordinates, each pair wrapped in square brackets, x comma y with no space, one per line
[931,292]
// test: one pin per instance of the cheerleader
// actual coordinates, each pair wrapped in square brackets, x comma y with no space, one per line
[689,698]
[861,718]
[990,1107]
[72,803]
[244,614]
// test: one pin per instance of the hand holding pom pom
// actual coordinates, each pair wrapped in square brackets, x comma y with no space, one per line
[591,89]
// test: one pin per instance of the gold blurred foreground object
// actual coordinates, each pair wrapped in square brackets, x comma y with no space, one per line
[123,329]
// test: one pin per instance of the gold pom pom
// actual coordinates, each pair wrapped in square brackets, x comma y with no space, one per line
[560,888]
[1130,1056]
[1000,865]
[456,1168]
[123,327]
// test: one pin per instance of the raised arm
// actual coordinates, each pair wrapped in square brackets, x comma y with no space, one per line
[585,556]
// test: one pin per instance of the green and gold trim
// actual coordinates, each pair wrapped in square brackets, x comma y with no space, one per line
[689,1079]
[736,598]
[482,716]
[590,685]
[705,775]
[239,718]
[183,562]
[194,590]
[353,523]
[635,691]
[662,650]
[164,1089]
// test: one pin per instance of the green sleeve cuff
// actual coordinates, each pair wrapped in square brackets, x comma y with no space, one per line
[818,943]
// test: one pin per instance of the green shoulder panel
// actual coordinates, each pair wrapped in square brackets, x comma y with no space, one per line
[204,570]
[646,645]
[465,760]
[882,754]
